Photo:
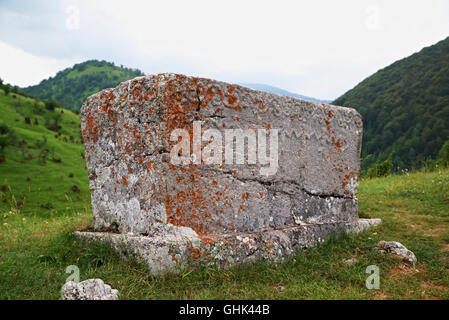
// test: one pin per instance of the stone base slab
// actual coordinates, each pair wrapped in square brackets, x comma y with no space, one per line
[171,252]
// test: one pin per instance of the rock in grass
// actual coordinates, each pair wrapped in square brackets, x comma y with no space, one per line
[350,261]
[91,289]
[398,249]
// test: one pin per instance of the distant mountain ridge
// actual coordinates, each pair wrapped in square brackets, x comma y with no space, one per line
[72,86]
[272,89]
[405,108]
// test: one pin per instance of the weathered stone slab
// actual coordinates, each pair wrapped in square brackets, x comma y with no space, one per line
[299,167]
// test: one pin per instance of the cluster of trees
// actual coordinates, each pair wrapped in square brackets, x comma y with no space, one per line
[385,168]
[7,137]
[72,86]
[51,103]
[7,89]
[405,109]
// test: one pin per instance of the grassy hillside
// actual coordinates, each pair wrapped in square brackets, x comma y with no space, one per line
[72,86]
[42,171]
[405,108]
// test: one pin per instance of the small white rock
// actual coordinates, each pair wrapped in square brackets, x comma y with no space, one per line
[398,249]
[91,289]
[350,262]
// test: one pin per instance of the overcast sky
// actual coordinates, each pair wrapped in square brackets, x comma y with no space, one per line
[316,48]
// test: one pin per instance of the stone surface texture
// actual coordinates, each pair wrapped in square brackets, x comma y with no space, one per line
[190,211]
[398,249]
[91,289]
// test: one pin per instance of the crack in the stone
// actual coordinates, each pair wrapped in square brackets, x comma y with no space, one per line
[325,195]
[198,93]
[271,185]
[286,228]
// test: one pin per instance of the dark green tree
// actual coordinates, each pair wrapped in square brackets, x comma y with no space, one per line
[7,137]
[51,104]
[443,155]
[7,89]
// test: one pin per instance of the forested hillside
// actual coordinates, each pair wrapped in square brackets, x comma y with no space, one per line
[405,108]
[72,86]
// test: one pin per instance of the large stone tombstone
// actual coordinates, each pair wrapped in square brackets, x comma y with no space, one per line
[187,170]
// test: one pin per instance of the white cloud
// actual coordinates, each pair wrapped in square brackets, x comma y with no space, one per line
[22,68]
[320,48]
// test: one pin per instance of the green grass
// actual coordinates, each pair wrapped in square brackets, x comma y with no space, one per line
[37,244]
[26,178]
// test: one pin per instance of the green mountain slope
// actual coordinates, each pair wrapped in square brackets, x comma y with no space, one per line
[72,86]
[405,108]
[42,171]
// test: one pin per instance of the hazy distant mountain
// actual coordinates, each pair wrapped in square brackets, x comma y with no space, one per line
[268,88]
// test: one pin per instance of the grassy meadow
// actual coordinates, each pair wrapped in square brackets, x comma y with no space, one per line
[44,200]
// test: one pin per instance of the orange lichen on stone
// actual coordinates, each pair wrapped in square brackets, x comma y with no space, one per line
[173,257]
[193,207]
[346,179]
[91,130]
[207,240]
